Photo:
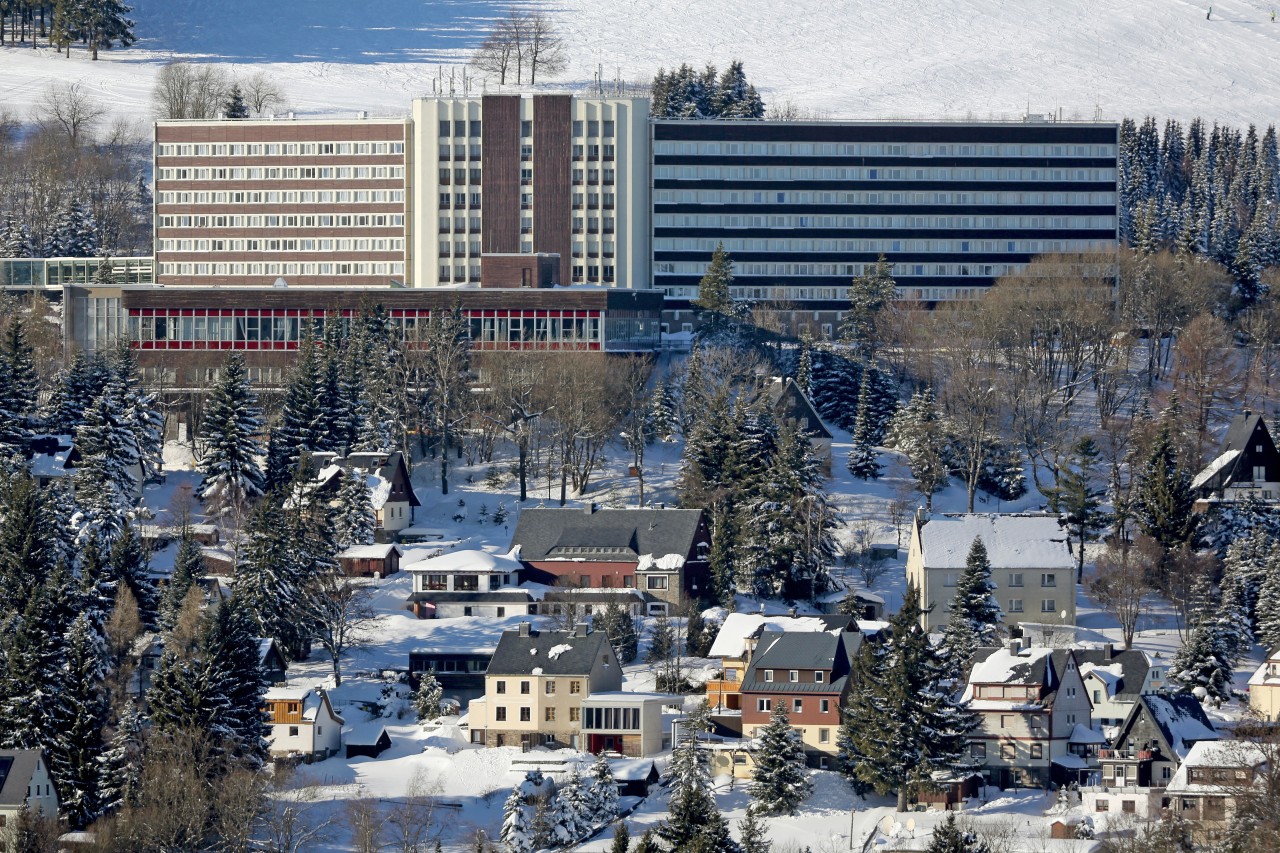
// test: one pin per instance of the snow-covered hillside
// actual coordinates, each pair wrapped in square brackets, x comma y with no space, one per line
[889,58]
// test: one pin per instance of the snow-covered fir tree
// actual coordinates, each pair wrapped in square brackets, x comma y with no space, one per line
[301,428]
[715,296]
[804,365]
[752,836]
[74,390]
[870,295]
[426,699]
[621,839]
[1162,500]
[603,792]
[974,619]
[19,385]
[229,438]
[949,838]
[693,818]
[188,568]
[662,413]
[15,239]
[105,480]
[140,411]
[234,105]
[902,722]
[1268,604]
[517,828]
[734,96]
[74,233]
[121,762]
[864,462]
[618,625]
[269,577]
[918,432]
[779,782]
[353,519]
[83,713]
[230,650]
[1201,666]
[662,641]
[128,565]
[569,818]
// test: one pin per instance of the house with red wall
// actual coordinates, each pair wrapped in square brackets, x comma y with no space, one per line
[659,551]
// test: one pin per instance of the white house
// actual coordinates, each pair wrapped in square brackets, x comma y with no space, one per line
[25,781]
[632,724]
[302,723]
[467,583]
[1031,564]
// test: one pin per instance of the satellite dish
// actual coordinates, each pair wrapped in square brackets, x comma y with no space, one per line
[911,824]
[886,824]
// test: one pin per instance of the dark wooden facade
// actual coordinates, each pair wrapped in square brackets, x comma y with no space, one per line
[500,184]
[552,174]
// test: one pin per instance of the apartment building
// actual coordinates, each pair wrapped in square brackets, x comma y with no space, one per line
[248,202]
[512,189]
[803,207]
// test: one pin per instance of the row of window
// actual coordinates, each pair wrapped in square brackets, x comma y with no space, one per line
[279,196]
[526,714]
[794,676]
[1008,750]
[1016,579]
[459,201]
[474,127]
[884,149]
[549,686]
[272,149]
[284,220]
[612,719]
[328,244]
[282,173]
[880,173]
[593,151]
[728,220]
[277,269]
[738,245]
[869,197]
[900,271]
[796,705]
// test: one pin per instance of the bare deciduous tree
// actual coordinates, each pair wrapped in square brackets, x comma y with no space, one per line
[524,42]
[340,612]
[262,94]
[499,53]
[1119,584]
[186,90]
[70,109]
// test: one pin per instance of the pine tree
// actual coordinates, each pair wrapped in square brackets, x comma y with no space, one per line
[354,521]
[620,628]
[804,365]
[83,713]
[15,239]
[693,817]
[74,392]
[734,97]
[517,830]
[188,568]
[20,389]
[918,432]
[140,413]
[234,106]
[302,422]
[1268,606]
[426,699]
[1163,500]
[127,564]
[230,652]
[869,296]
[662,413]
[1078,499]
[779,782]
[974,619]
[106,486]
[662,641]
[121,763]
[714,294]
[604,791]
[902,723]
[105,23]
[569,818]
[269,576]
[1201,666]
[648,843]
[229,435]
[751,833]
[621,839]
[864,462]
[74,233]
[947,838]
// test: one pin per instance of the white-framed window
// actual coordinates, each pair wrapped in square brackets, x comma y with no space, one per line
[1048,579]
[764,706]
[797,706]
[1048,605]
[950,579]
[1015,605]
[819,677]
[824,705]
[657,582]
[1015,579]
[824,735]
[793,676]
[768,675]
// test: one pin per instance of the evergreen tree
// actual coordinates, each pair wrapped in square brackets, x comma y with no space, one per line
[1201,666]
[354,521]
[1163,500]
[621,839]
[229,434]
[804,365]
[105,24]
[517,829]
[692,814]
[751,833]
[1268,606]
[230,650]
[696,639]
[779,781]
[74,233]
[301,428]
[15,239]
[105,481]
[140,413]
[618,625]
[734,97]
[662,413]
[974,620]
[648,843]
[864,462]
[426,699]
[188,568]
[918,432]
[569,818]
[604,791]
[121,763]
[269,576]
[74,391]
[662,641]
[83,713]
[19,385]
[234,105]
[948,838]
[902,723]
[869,296]
[1077,498]
[714,295]
[127,564]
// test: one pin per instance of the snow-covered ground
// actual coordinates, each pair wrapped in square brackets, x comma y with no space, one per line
[893,58]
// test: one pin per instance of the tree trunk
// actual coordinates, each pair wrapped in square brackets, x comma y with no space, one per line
[444,462]
[902,798]
[337,673]
[524,468]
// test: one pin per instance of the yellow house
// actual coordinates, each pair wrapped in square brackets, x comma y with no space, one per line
[1264,688]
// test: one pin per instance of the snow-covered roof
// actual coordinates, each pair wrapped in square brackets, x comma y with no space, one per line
[1083,734]
[731,639]
[1214,468]
[1070,761]
[286,693]
[368,552]
[468,560]
[1181,720]
[665,563]
[1003,666]
[1109,675]
[1266,675]
[1225,754]
[1013,541]
[615,696]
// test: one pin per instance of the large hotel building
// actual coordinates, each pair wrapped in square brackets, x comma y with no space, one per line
[508,205]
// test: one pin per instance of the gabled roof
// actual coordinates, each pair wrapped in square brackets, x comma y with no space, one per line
[789,402]
[17,767]
[617,535]
[380,470]
[1002,666]
[1179,718]
[550,652]
[737,628]
[470,561]
[369,552]
[781,651]
[1013,540]
[1221,472]
[1226,754]
[1124,672]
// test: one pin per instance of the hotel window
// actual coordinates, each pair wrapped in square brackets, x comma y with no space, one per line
[608,128]
[526,129]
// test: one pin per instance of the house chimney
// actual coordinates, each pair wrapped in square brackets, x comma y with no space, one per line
[922,515]
[1014,645]
[1108,651]
[580,630]
[524,629]
[590,507]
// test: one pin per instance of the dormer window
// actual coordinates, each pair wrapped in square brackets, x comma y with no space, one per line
[768,675]
[794,676]
[819,677]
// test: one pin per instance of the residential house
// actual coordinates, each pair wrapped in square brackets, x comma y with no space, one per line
[467,583]
[1248,465]
[458,667]
[370,561]
[632,724]
[302,723]
[1264,688]
[366,741]
[51,458]
[659,551]
[810,673]
[1145,753]
[1031,565]
[736,640]
[1115,679]
[1032,710]
[535,684]
[25,782]
[576,603]
[1212,777]
[387,476]
[272,660]
[792,406]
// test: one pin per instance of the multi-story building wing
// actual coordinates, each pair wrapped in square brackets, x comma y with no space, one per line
[310,201]
[506,179]
[803,207]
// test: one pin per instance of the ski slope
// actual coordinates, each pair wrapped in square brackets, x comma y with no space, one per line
[884,59]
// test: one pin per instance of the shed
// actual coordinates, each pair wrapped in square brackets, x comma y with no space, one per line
[369,743]
[635,776]
[950,790]
[369,560]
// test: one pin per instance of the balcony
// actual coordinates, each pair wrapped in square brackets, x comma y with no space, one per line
[1127,754]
